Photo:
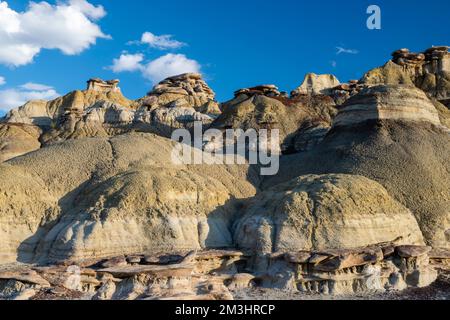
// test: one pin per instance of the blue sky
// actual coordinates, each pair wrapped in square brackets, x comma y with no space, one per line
[235,43]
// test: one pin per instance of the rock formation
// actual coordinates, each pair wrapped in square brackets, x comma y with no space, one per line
[388,102]
[406,153]
[429,71]
[323,212]
[377,268]
[221,274]
[45,114]
[96,84]
[178,102]
[114,196]
[316,84]
[263,107]
[268,90]
[18,139]
[93,205]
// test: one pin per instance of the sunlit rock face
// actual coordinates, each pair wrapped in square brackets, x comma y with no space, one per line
[316,84]
[388,102]
[428,70]
[319,212]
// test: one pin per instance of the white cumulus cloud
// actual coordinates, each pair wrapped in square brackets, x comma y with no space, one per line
[156,70]
[2,81]
[163,42]
[68,26]
[15,97]
[169,65]
[127,62]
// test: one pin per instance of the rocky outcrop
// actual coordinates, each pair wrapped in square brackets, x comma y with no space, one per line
[189,87]
[344,91]
[376,268]
[319,212]
[79,114]
[268,90]
[263,108]
[97,84]
[45,114]
[314,84]
[102,119]
[224,274]
[393,102]
[429,71]
[203,275]
[102,111]
[178,102]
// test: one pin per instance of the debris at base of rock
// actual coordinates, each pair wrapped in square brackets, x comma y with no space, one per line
[218,274]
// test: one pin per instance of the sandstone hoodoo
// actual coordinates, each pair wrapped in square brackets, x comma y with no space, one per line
[92,205]
[177,102]
[97,84]
[428,70]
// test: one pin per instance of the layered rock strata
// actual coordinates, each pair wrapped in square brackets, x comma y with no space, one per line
[319,212]
[394,102]
[222,274]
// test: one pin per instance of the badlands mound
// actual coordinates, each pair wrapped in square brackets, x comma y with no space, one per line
[100,197]
[324,212]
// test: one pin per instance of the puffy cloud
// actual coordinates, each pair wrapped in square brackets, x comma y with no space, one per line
[162,42]
[2,81]
[88,9]
[127,62]
[15,97]
[169,65]
[158,69]
[67,26]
